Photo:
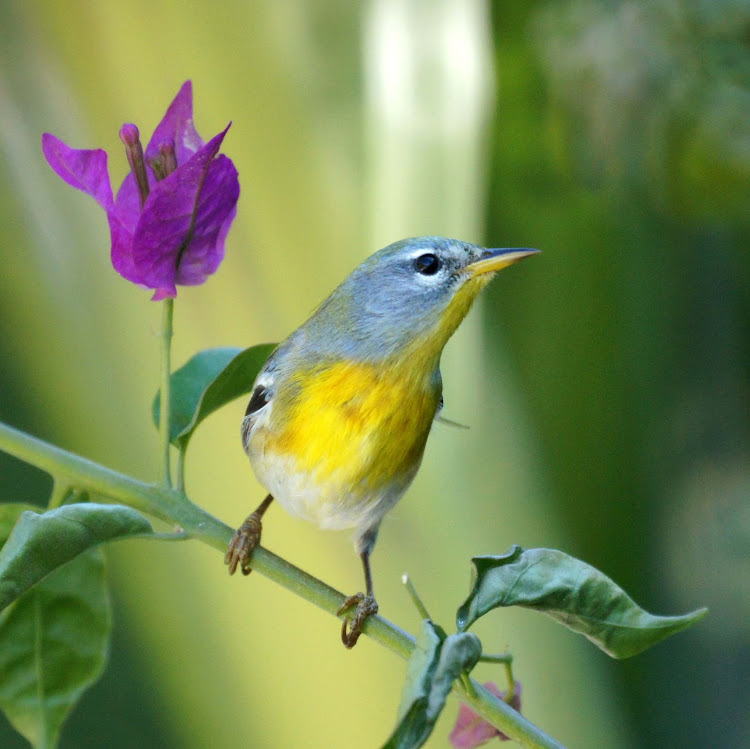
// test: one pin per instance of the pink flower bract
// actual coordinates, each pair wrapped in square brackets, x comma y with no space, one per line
[178,236]
[471,730]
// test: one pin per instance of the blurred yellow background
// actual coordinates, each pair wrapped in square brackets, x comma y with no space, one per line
[605,382]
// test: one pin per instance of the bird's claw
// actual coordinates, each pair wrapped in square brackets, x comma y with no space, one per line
[351,629]
[241,547]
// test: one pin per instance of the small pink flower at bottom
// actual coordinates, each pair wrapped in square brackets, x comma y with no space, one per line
[169,221]
[472,730]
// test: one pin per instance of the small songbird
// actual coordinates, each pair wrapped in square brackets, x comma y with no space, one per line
[340,413]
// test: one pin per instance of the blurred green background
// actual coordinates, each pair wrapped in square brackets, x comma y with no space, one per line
[605,382]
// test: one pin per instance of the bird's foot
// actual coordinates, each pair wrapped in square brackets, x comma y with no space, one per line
[244,541]
[352,628]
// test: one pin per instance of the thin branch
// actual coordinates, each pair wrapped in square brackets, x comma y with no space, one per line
[176,508]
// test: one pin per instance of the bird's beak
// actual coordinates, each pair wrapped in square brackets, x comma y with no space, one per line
[494,260]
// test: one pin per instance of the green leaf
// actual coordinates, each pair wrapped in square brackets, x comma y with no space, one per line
[40,543]
[437,661]
[53,642]
[571,592]
[205,383]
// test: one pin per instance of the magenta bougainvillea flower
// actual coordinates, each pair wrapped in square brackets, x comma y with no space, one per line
[472,730]
[172,213]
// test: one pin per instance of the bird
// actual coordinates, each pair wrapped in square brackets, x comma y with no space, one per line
[339,415]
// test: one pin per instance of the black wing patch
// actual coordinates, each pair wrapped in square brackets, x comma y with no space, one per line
[258,399]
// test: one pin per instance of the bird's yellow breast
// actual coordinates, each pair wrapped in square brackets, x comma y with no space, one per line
[355,426]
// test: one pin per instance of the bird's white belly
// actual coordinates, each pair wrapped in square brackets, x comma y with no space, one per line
[328,505]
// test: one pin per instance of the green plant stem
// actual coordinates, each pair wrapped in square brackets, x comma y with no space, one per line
[507,660]
[511,682]
[60,490]
[467,685]
[174,507]
[499,658]
[180,485]
[416,600]
[166,399]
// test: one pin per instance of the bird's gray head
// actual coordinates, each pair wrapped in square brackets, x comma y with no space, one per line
[411,293]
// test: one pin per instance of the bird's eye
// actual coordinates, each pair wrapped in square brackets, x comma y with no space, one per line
[427,264]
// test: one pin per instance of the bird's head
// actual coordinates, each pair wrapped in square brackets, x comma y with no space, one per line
[412,293]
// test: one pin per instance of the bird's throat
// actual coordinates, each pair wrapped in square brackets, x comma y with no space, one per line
[427,346]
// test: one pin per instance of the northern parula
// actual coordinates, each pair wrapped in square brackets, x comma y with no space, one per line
[339,415]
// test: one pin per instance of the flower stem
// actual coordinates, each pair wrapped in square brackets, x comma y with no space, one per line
[165,399]
[169,505]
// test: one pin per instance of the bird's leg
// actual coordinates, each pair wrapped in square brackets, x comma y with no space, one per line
[245,539]
[366,607]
